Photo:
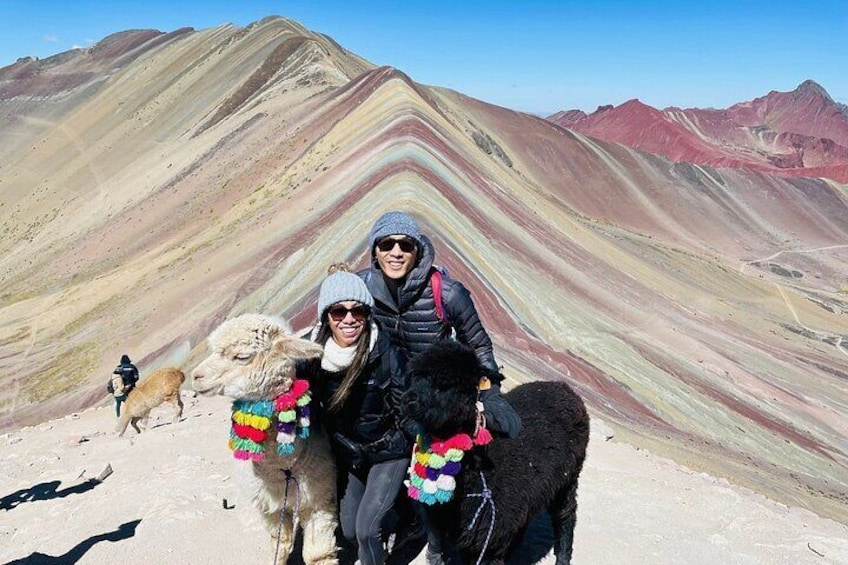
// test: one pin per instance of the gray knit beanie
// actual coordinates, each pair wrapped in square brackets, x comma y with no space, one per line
[393,223]
[340,287]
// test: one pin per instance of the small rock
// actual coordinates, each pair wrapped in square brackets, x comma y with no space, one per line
[105,473]
[76,440]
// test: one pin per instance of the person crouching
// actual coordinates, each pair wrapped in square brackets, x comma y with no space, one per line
[357,387]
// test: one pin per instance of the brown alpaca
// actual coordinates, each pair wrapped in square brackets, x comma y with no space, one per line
[163,385]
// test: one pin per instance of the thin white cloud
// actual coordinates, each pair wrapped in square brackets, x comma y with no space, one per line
[51,39]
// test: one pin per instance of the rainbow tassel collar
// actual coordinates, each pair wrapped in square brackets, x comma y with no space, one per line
[252,420]
[436,463]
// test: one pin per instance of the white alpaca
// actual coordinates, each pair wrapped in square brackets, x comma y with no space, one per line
[252,358]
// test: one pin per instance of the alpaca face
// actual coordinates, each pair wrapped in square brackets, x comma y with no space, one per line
[251,357]
[442,394]
[441,413]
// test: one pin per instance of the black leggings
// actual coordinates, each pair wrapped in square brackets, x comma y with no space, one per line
[364,506]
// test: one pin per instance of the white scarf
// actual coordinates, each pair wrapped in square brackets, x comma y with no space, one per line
[337,358]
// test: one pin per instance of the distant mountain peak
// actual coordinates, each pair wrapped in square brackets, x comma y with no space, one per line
[809,90]
[567,116]
[636,105]
[634,102]
[630,106]
[813,87]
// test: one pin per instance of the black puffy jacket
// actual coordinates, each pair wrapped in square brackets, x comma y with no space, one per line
[411,320]
[369,427]
[129,374]
[413,325]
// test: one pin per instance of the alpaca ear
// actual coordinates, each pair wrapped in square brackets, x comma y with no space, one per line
[295,348]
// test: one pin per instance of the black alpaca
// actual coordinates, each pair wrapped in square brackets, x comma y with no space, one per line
[534,472]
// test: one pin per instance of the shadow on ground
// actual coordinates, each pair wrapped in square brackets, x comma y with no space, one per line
[44,491]
[124,531]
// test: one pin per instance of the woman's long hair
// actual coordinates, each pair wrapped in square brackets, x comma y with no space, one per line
[357,365]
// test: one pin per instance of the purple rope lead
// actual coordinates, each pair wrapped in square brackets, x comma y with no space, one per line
[486,496]
[289,479]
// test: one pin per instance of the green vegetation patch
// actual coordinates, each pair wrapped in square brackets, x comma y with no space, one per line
[63,374]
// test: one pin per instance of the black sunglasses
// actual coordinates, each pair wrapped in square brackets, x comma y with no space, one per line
[387,244]
[339,312]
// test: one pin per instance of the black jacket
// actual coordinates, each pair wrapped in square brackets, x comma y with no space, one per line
[369,427]
[129,374]
[410,318]
[411,321]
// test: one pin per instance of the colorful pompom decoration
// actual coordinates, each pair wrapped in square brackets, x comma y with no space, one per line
[436,463]
[252,420]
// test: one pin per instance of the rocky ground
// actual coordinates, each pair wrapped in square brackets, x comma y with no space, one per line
[164,502]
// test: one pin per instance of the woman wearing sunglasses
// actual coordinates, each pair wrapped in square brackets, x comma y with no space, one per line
[357,385]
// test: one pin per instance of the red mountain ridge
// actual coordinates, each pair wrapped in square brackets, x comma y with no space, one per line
[799,133]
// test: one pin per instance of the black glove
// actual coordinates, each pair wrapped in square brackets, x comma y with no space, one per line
[495,376]
[393,445]
[355,453]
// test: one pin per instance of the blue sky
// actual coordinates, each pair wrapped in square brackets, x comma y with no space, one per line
[531,55]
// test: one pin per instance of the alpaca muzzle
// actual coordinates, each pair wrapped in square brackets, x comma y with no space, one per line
[201,384]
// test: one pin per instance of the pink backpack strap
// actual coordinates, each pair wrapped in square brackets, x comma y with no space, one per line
[436,285]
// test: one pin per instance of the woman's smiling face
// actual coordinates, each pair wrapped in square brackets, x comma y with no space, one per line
[396,255]
[347,319]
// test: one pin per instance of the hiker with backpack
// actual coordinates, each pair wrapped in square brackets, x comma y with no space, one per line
[122,382]
[418,304]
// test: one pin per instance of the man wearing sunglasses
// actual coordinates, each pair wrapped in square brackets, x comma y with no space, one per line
[400,280]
